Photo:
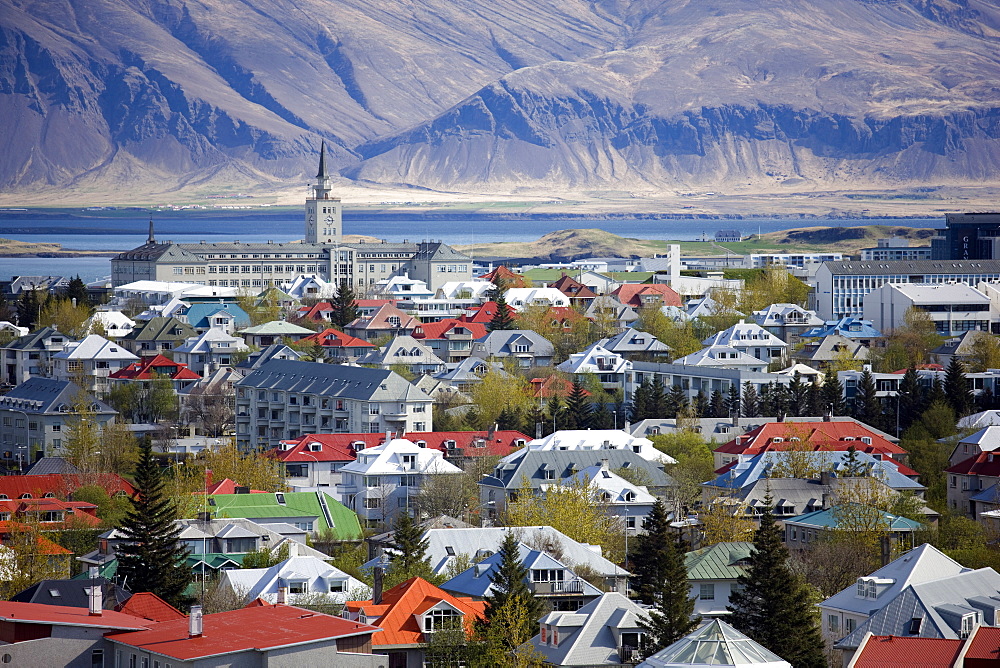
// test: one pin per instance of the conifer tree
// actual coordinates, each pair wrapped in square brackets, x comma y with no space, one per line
[986,401]
[577,414]
[833,394]
[151,558]
[772,605]
[408,542]
[659,405]
[853,467]
[798,396]
[670,618]
[911,399]
[867,406]
[600,417]
[508,580]
[717,405]
[814,397]
[956,388]
[28,309]
[648,554]
[732,402]
[343,311]
[700,405]
[676,403]
[639,408]
[503,318]
[936,395]
[77,289]
[750,402]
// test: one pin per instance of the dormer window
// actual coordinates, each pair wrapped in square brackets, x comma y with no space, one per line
[441,619]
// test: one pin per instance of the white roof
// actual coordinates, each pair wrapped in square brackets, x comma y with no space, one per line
[518,298]
[617,487]
[940,293]
[802,370]
[264,582]
[452,289]
[94,347]
[115,323]
[744,334]
[18,331]
[986,439]
[596,439]
[715,644]
[595,359]
[978,420]
[213,337]
[387,459]
[777,314]
[725,357]
[156,286]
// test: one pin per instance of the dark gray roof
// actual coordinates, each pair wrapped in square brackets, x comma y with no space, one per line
[436,251]
[35,340]
[499,342]
[53,465]
[47,395]
[274,351]
[237,247]
[872,268]
[72,593]
[333,380]
[633,341]
[532,464]
[161,329]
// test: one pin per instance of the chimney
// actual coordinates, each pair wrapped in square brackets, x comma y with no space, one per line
[604,464]
[293,549]
[377,586]
[282,595]
[824,478]
[194,622]
[95,595]
[388,436]
[538,430]
[208,478]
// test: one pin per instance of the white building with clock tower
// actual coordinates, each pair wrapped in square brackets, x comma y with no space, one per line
[323,213]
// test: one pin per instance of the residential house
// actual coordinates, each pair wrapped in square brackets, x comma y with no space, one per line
[953,308]
[256,636]
[832,350]
[338,346]
[209,351]
[849,608]
[36,415]
[787,321]
[31,354]
[314,512]
[50,514]
[9,331]
[403,287]
[541,469]
[629,502]
[468,373]
[610,368]
[985,439]
[482,314]
[598,439]
[521,298]
[604,632]
[528,348]
[113,324]
[90,361]
[504,276]
[960,346]
[408,615]
[972,484]
[407,352]
[276,331]
[451,340]
[463,447]
[387,320]
[548,578]
[55,485]
[895,652]
[712,572]
[854,328]
[382,480]
[314,460]
[579,294]
[979,420]
[154,367]
[551,386]
[802,532]
[156,335]
[258,358]
[752,339]
[716,639]
[635,345]
[726,357]
[607,309]
[947,607]
[283,399]
[638,295]
[304,579]
[73,593]
[223,315]
[308,286]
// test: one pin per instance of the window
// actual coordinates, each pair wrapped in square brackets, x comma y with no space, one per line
[372,503]
[848,625]
[833,623]
[968,622]
[437,619]
[706,592]
[297,587]
[337,586]
[97,658]
[913,628]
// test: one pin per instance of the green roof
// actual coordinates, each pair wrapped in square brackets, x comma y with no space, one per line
[718,562]
[106,570]
[344,521]
[828,519]
[213,560]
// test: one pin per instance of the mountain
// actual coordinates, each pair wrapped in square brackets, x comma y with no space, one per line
[643,95]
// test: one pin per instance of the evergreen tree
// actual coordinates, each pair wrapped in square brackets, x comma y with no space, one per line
[555,408]
[648,554]
[867,406]
[716,405]
[503,318]
[772,605]
[343,311]
[833,394]
[853,467]
[600,417]
[732,403]
[911,399]
[639,408]
[700,405]
[77,290]
[936,394]
[956,388]
[670,618]
[151,558]
[508,580]
[577,413]
[408,542]
[814,397]
[986,401]
[28,309]
[750,402]
[659,404]
[798,396]
[676,402]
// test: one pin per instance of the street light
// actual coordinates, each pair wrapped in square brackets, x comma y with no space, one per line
[310,477]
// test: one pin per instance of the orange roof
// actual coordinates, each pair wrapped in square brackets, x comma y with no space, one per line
[333,448]
[508,277]
[984,645]
[45,546]
[633,294]
[147,367]
[907,652]
[834,436]
[60,485]
[316,311]
[400,604]
[546,388]
[332,338]
[40,613]
[258,627]
[148,605]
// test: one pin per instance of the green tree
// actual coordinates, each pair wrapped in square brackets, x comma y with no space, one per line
[985,352]
[771,604]
[671,617]
[867,405]
[342,307]
[509,586]
[503,318]
[911,399]
[648,557]
[956,388]
[68,319]
[410,559]
[750,402]
[151,558]
[833,394]
[77,289]
[29,308]
[577,415]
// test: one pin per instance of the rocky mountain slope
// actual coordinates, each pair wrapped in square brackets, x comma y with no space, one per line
[512,94]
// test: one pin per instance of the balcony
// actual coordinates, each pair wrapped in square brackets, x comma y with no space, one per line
[556,587]
[628,654]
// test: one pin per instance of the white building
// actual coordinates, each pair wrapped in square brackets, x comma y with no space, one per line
[521,298]
[725,357]
[954,309]
[609,367]
[303,578]
[752,339]
[596,439]
[407,351]
[114,323]
[631,503]
[210,351]
[90,361]
[384,480]
[403,287]
[787,320]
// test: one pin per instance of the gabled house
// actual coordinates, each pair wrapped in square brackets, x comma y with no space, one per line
[308,286]
[723,357]
[157,366]
[468,373]
[623,499]
[851,327]
[972,484]
[156,335]
[209,351]
[337,345]
[114,324]
[387,320]
[461,447]
[604,632]
[482,314]
[598,439]
[529,348]
[405,351]
[303,579]
[607,309]
[712,572]
[548,578]
[504,276]
[275,351]
[787,321]
[315,460]
[73,593]
[521,298]
[451,340]
[223,315]
[752,339]
[639,295]
[408,615]
[610,368]
[960,346]
[802,532]
[276,331]
[829,351]
[578,293]
[90,361]
[31,354]
[635,345]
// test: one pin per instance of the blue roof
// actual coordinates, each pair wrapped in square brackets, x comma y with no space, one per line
[748,471]
[849,327]
[198,314]
[477,583]
[988,495]
[827,519]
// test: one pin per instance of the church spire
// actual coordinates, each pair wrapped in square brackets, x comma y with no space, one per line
[152,238]
[322,173]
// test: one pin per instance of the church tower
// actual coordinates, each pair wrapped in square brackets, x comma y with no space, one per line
[323,213]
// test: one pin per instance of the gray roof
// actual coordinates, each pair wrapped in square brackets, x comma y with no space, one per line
[939,603]
[633,341]
[333,380]
[161,329]
[532,464]
[498,343]
[47,396]
[35,340]
[585,636]
[891,267]
[274,351]
[439,252]
[53,465]
[717,644]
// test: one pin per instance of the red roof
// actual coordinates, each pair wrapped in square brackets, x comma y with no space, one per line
[257,627]
[438,330]
[332,448]
[76,514]
[830,436]
[637,294]
[907,652]
[508,277]
[159,365]
[473,443]
[400,604]
[484,313]
[316,311]
[45,546]
[546,388]
[60,485]
[922,367]
[149,606]
[573,288]
[984,464]
[40,613]
[226,486]
[983,645]
[332,338]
